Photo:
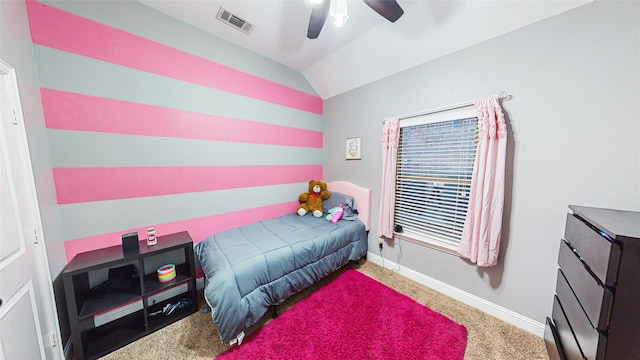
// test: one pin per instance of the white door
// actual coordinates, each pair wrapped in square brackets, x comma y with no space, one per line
[27,315]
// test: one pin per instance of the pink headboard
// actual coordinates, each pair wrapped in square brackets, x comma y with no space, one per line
[361,195]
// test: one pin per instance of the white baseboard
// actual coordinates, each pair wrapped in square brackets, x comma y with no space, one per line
[488,307]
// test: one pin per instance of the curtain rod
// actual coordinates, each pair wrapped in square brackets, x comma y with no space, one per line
[501,96]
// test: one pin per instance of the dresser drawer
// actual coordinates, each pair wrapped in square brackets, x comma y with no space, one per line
[567,340]
[589,339]
[600,254]
[551,340]
[595,299]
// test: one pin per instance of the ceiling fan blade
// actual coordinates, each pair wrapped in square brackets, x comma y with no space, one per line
[319,14]
[389,9]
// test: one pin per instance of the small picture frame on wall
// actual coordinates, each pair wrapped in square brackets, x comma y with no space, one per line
[353,148]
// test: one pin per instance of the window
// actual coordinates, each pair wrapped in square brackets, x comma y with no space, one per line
[436,153]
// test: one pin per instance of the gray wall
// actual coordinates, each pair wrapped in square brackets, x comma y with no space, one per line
[17,50]
[574,128]
[189,173]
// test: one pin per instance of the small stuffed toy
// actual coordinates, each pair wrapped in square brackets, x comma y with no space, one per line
[312,201]
[335,214]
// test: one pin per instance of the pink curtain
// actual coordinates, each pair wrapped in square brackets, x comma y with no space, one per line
[480,240]
[390,138]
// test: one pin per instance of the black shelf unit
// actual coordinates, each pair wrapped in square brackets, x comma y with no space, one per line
[100,325]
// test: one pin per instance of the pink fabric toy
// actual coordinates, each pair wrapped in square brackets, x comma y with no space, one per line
[335,214]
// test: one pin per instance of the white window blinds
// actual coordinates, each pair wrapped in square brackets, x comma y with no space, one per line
[435,166]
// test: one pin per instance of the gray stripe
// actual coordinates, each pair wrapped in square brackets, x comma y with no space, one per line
[101,217]
[141,20]
[92,149]
[69,72]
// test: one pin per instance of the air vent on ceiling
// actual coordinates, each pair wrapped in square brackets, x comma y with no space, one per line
[237,22]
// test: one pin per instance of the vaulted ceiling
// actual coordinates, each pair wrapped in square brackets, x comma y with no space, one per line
[367,47]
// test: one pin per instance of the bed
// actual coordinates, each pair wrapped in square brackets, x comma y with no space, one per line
[253,267]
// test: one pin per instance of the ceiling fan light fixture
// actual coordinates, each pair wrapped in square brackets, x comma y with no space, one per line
[388,9]
[339,12]
[339,20]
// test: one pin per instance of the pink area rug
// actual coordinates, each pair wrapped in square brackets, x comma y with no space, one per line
[355,317]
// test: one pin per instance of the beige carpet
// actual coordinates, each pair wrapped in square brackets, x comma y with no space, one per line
[195,337]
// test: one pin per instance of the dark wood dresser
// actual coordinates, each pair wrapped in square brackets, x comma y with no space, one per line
[596,308]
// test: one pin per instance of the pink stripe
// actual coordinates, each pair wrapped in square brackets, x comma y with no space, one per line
[75,185]
[71,111]
[198,228]
[68,32]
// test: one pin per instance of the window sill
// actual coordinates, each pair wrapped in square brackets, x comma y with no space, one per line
[433,244]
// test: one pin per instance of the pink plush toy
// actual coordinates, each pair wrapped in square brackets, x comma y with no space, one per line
[335,214]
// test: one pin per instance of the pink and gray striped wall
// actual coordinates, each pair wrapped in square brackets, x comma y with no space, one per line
[155,123]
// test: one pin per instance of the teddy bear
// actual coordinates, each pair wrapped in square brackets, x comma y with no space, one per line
[311,201]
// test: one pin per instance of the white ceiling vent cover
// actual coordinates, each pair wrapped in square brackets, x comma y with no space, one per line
[237,22]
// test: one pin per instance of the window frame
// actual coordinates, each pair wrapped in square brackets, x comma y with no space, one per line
[430,240]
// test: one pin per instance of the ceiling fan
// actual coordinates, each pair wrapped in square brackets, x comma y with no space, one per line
[389,9]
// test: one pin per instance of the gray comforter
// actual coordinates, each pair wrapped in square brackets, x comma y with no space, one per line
[252,267]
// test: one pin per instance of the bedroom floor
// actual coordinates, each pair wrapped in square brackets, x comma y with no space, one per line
[195,337]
